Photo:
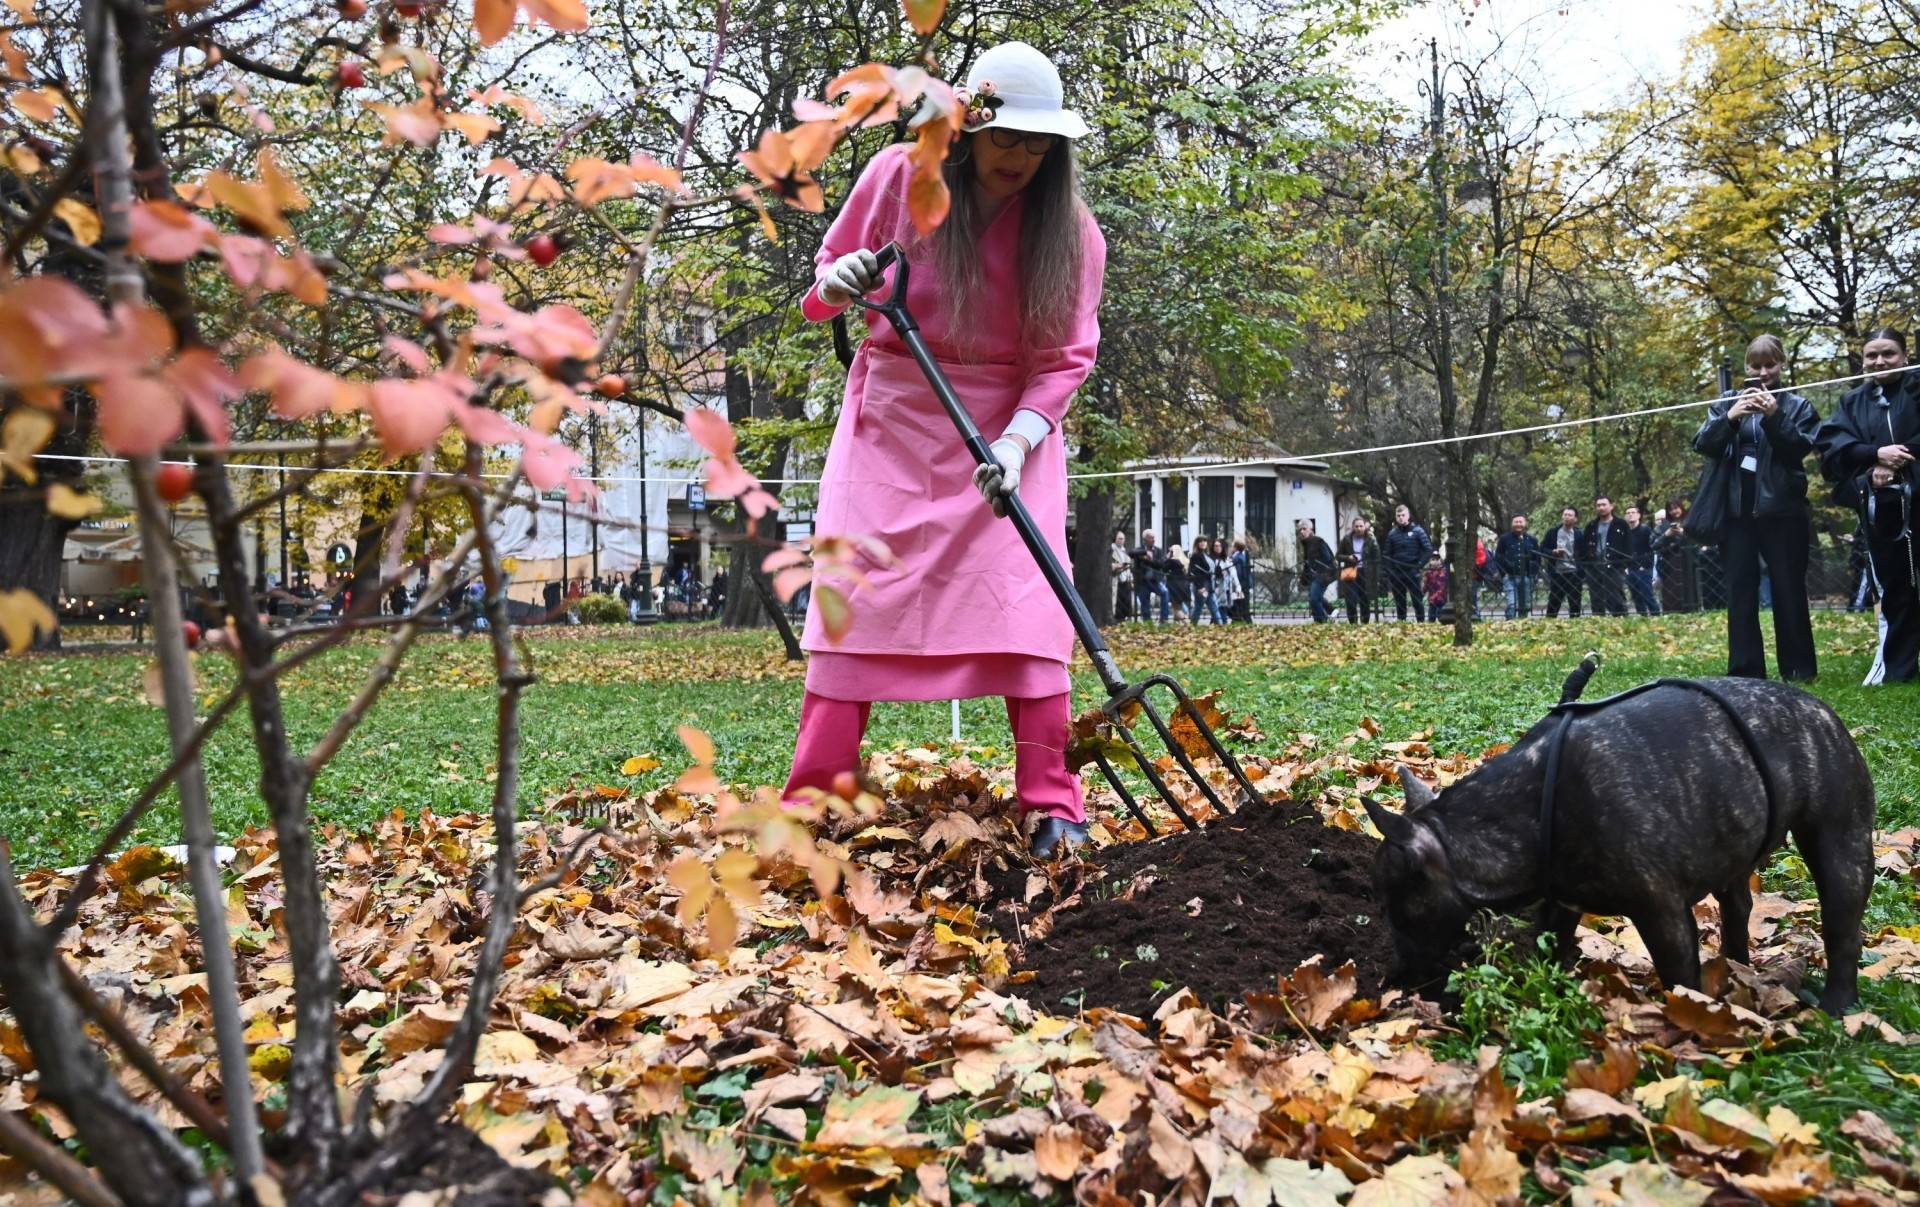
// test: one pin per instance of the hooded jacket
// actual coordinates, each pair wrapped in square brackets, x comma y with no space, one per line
[1867,419]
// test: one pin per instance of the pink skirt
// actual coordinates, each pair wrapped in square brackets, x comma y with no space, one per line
[863,678]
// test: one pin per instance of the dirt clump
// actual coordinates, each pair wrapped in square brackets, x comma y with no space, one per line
[1224,910]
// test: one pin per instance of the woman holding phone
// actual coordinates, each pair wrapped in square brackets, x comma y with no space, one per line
[1763,433]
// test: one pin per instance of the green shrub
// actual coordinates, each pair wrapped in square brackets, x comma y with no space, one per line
[1529,1005]
[601,609]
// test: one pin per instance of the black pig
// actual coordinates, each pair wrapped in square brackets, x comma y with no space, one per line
[1658,803]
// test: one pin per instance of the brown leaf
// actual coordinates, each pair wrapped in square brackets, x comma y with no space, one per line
[1491,1171]
[1871,1130]
[1611,1074]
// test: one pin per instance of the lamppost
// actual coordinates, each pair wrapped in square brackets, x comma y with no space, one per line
[593,453]
[1578,353]
[646,615]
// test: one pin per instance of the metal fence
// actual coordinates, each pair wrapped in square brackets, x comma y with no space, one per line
[1691,582]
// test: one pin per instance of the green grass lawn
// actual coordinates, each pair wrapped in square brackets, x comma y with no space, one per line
[78,740]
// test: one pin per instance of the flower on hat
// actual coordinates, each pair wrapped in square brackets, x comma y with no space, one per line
[977,106]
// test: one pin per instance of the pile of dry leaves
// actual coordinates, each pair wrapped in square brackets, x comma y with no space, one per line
[725,1001]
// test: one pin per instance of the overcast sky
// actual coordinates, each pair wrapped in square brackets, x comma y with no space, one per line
[1591,54]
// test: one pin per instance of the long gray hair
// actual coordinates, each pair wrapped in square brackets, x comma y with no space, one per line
[1051,246]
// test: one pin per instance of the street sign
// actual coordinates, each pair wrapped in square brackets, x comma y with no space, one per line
[340,555]
[696,497]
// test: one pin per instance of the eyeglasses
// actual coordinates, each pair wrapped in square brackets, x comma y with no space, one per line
[1036,144]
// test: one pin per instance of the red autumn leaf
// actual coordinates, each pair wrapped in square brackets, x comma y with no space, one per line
[169,233]
[549,463]
[711,429]
[487,426]
[207,386]
[781,558]
[493,19]
[871,99]
[776,161]
[299,390]
[554,333]
[47,324]
[408,353]
[138,414]
[790,580]
[408,416]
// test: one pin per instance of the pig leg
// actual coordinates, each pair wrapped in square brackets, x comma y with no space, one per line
[1736,908]
[1841,861]
[1673,940]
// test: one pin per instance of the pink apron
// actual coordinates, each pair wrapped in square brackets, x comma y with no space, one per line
[896,470]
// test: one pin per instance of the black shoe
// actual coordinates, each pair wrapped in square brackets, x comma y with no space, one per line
[1054,832]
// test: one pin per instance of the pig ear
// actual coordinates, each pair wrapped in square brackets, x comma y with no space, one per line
[1392,826]
[1419,796]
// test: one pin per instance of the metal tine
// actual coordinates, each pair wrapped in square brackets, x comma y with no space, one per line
[1126,797]
[1180,755]
[1153,776]
[1251,795]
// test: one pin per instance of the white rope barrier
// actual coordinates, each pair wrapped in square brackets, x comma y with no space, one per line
[1149,471]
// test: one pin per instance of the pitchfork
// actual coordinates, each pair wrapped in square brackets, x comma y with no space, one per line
[1122,696]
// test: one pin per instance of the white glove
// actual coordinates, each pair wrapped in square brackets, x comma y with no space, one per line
[997,483]
[855,272]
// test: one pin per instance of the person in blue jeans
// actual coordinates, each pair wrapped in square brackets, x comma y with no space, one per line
[1517,553]
[1640,564]
[1150,578]
[1317,571]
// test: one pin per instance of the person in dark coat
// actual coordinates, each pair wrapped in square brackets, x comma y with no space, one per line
[1640,564]
[1407,548]
[1764,433]
[1564,550]
[1150,577]
[1361,554]
[1674,562]
[1606,559]
[550,596]
[1317,571]
[1865,594]
[1517,554]
[1242,563]
[1868,450]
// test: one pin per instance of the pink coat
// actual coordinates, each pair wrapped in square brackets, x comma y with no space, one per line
[965,593]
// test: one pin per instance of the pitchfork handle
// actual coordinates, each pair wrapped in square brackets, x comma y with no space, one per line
[894,309]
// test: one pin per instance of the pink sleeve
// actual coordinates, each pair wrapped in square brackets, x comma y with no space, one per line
[1058,372]
[869,215]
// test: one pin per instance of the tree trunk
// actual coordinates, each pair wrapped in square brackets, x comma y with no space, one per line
[1092,566]
[1460,501]
[30,543]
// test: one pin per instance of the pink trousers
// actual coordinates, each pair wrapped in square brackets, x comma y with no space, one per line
[829,743]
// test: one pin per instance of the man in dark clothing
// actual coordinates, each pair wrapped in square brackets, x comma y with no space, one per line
[1517,554]
[1317,571]
[1150,578]
[550,595]
[1607,556]
[1243,573]
[1640,564]
[1564,551]
[1406,551]
[1868,450]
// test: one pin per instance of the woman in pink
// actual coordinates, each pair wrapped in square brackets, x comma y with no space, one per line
[1006,292]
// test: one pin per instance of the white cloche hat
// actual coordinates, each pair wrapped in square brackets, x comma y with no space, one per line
[1027,86]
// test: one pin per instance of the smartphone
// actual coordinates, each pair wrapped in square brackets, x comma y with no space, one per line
[1752,383]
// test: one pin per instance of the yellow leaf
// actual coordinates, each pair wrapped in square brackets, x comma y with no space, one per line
[22,9]
[25,433]
[22,615]
[924,15]
[493,19]
[271,1061]
[1057,1152]
[638,765]
[24,162]
[835,613]
[39,104]
[84,223]
[69,504]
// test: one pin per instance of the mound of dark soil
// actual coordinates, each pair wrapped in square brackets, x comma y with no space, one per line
[1227,909]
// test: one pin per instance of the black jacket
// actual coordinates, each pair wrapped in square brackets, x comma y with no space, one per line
[1369,561]
[1867,419]
[1316,562]
[1408,548]
[1200,571]
[1784,440]
[1640,547]
[1614,555]
[1563,565]
[1149,566]
[1517,555]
